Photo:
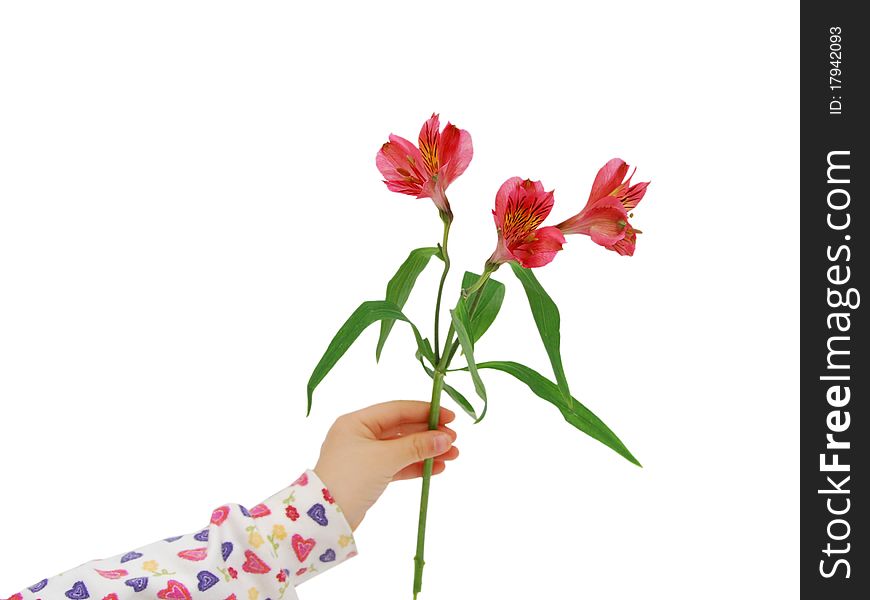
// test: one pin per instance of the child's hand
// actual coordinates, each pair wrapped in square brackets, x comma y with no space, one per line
[367,449]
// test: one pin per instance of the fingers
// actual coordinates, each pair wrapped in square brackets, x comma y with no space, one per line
[451,454]
[409,428]
[438,466]
[381,417]
[416,470]
[415,447]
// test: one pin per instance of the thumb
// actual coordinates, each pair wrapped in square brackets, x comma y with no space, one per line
[415,447]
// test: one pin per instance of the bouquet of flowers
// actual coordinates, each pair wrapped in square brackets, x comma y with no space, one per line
[524,243]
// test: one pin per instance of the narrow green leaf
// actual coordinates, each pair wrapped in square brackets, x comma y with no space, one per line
[426,351]
[461,325]
[546,315]
[367,313]
[577,415]
[400,286]
[461,400]
[491,297]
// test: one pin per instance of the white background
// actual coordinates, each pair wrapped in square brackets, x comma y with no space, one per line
[189,208]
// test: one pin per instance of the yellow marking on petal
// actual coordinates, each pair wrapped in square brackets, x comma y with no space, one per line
[430,157]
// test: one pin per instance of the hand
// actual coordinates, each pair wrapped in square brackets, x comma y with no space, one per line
[367,449]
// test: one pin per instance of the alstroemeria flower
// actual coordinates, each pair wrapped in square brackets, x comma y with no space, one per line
[425,172]
[520,208]
[605,216]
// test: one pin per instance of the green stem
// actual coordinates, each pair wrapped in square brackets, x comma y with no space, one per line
[434,412]
[475,293]
[446,258]
[442,363]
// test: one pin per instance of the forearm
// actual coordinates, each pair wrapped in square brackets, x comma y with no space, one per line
[253,554]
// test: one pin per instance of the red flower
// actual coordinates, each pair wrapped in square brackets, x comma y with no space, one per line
[281,576]
[425,172]
[520,208]
[292,513]
[327,496]
[233,572]
[605,216]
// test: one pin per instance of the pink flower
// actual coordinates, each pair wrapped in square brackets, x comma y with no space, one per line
[425,172]
[520,208]
[605,216]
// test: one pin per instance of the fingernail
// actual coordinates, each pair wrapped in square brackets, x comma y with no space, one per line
[442,443]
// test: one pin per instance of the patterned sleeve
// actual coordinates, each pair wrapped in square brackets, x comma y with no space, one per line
[244,554]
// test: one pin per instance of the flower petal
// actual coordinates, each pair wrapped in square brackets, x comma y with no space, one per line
[455,153]
[541,250]
[625,246]
[501,199]
[526,208]
[604,221]
[609,177]
[400,162]
[430,141]
[632,197]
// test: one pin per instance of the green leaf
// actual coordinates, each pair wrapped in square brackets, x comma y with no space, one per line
[367,313]
[400,286]
[576,414]
[546,315]
[461,325]
[461,400]
[426,351]
[491,297]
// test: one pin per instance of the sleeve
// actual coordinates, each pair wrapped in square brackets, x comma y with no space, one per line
[244,554]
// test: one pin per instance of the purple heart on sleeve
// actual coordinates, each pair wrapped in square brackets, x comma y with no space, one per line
[318,513]
[137,583]
[78,591]
[38,586]
[206,580]
[328,556]
[226,550]
[131,556]
[202,536]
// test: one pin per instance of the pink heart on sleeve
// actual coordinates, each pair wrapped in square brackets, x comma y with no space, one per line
[194,554]
[220,515]
[116,574]
[301,546]
[261,510]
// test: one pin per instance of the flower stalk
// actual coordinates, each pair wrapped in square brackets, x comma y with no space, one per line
[434,411]
[446,258]
[443,363]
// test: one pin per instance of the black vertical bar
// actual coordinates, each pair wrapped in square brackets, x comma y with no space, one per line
[835,368]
